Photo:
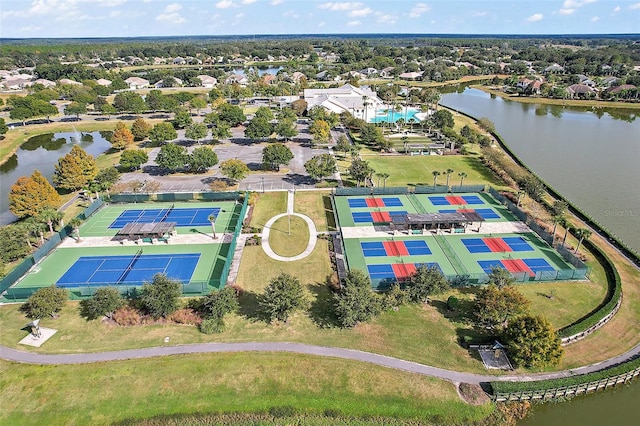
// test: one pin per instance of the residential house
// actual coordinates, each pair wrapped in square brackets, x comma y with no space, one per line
[45,82]
[268,78]
[297,76]
[411,76]
[16,83]
[176,82]
[178,60]
[207,81]
[610,81]
[237,79]
[369,72]
[358,101]
[103,82]
[580,91]
[387,72]
[69,82]
[137,83]
[554,69]
[620,88]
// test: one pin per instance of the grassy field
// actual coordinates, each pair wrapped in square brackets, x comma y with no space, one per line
[57,395]
[416,170]
[268,205]
[289,236]
[316,205]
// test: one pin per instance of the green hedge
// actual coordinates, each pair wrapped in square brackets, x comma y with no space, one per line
[614,293]
[541,385]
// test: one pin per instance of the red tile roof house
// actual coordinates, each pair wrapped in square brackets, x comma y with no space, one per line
[581,91]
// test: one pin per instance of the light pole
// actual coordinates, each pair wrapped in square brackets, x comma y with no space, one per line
[262,178]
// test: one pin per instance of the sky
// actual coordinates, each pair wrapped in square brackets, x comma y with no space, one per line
[132,18]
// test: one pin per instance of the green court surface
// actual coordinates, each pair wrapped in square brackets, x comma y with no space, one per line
[205,277]
[99,224]
[352,210]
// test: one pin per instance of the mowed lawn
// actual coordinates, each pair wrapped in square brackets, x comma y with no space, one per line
[219,383]
[406,170]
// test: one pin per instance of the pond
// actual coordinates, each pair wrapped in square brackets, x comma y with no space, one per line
[42,152]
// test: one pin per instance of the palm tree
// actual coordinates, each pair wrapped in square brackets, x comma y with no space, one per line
[50,216]
[567,227]
[365,103]
[212,220]
[385,176]
[435,174]
[582,234]
[75,225]
[556,220]
[379,176]
[448,173]
[462,176]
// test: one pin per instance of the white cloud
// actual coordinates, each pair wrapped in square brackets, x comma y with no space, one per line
[341,6]
[479,14]
[321,24]
[224,4]
[595,19]
[30,28]
[571,4]
[249,1]
[360,12]
[418,10]
[634,6]
[535,17]
[353,23]
[387,19]
[616,9]
[566,11]
[276,2]
[173,7]
[291,14]
[239,15]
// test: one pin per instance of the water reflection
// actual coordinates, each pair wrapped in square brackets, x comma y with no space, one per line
[46,141]
[10,164]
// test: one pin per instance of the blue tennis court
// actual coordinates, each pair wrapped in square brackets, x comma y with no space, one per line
[438,201]
[539,264]
[381,272]
[488,265]
[416,248]
[128,270]
[182,217]
[373,248]
[476,245]
[517,243]
[472,199]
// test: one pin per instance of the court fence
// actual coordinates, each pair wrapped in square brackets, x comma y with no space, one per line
[175,196]
[406,190]
[12,294]
[224,276]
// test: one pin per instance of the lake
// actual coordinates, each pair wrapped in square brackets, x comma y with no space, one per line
[42,152]
[591,157]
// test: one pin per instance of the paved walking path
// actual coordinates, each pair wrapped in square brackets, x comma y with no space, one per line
[11,354]
[313,233]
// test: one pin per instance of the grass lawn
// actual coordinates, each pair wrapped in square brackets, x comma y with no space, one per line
[245,382]
[317,206]
[289,236]
[266,206]
[416,170]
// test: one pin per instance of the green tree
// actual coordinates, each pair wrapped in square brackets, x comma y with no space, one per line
[132,159]
[448,173]
[197,131]
[360,170]
[532,342]
[31,195]
[45,302]
[105,179]
[234,169]
[355,302]
[140,129]
[282,297]
[75,170]
[372,136]
[172,157]
[435,174]
[220,131]
[299,106]
[3,127]
[264,113]
[321,166]
[426,281]
[182,119]
[321,131]
[156,101]
[343,145]
[258,128]
[24,108]
[442,119]
[121,137]
[201,159]
[286,129]
[108,109]
[75,224]
[198,103]
[160,298]
[495,306]
[105,301]
[231,114]
[276,154]
[533,187]
[75,108]
[162,132]
[128,101]
[286,114]
[500,277]
[582,234]
[486,125]
[11,240]
[462,176]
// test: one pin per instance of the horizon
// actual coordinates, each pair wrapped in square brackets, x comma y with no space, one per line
[81,19]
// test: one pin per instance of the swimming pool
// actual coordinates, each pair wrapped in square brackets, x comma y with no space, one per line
[386,116]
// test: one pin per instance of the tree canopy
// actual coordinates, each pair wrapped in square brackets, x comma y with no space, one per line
[162,132]
[355,302]
[321,166]
[258,128]
[128,101]
[201,159]
[234,169]
[160,298]
[45,302]
[321,131]
[231,114]
[286,128]
[495,306]
[276,154]
[121,137]
[426,281]
[31,195]
[105,301]
[532,342]
[75,170]
[442,119]
[132,159]
[282,297]
[140,129]
[172,157]
[360,170]
[197,131]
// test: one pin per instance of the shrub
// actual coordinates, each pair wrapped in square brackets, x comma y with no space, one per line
[185,316]
[160,298]
[212,325]
[45,302]
[453,303]
[127,316]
